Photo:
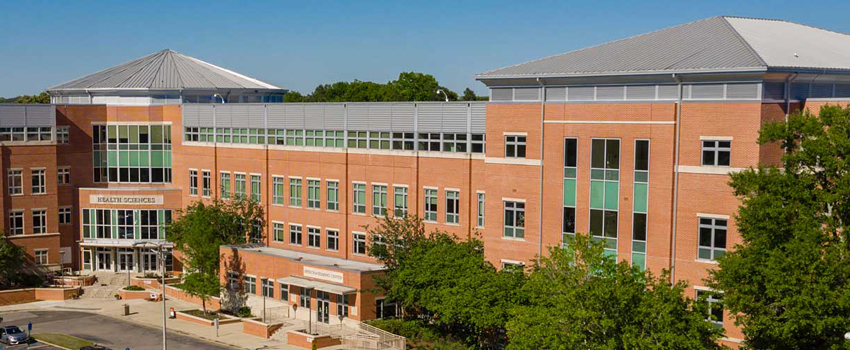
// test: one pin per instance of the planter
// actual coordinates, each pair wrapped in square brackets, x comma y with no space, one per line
[153,282]
[81,281]
[222,319]
[137,294]
[255,327]
[302,339]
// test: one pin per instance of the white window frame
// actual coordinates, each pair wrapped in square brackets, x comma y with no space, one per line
[332,233]
[63,134]
[716,150]
[714,227]
[11,176]
[516,142]
[193,182]
[63,175]
[400,207]
[358,237]
[41,259]
[481,207]
[15,230]
[278,188]
[295,197]
[314,185]
[65,217]
[41,227]
[299,236]
[380,193]
[41,175]
[332,186]
[357,207]
[453,218]
[206,182]
[278,225]
[515,209]
[225,178]
[431,193]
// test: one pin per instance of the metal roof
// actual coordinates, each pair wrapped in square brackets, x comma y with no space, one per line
[716,44]
[164,70]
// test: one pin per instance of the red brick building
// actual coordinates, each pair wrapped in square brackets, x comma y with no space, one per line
[631,141]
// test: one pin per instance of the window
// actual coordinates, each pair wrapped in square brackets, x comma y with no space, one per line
[65,215]
[207,181]
[193,182]
[385,309]
[102,223]
[314,138]
[400,201]
[359,243]
[334,139]
[12,134]
[62,134]
[39,221]
[333,239]
[716,153]
[712,238]
[514,146]
[277,190]
[715,306]
[379,140]
[429,142]
[295,137]
[240,185]
[36,133]
[359,198]
[225,185]
[38,181]
[139,153]
[40,256]
[604,192]
[477,143]
[125,224]
[403,141]
[333,195]
[294,192]
[430,204]
[314,189]
[268,287]
[277,231]
[304,297]
[357,139]
[284,292]
[379,200]
[640,203]
[480,222]
[250,285]
[232,281]
[570,172]
[314,237]
[255,189]
[295,234]
[342,305]
[16,222]
[515,219]
[16,182]
[452,207]
[64,175]
[454,143]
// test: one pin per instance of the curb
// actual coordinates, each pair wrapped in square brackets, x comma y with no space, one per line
[177,331]
[51,344]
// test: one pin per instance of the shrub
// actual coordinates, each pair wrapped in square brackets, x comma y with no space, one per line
[134,288]
[244,311]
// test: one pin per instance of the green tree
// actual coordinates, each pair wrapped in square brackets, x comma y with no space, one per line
[12,258]
[445,280]
[43,97]
[410,86]
[581,299]
[469,95]
[788,282]
[199,231]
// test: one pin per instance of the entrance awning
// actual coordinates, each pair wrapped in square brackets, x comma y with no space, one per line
[323,286]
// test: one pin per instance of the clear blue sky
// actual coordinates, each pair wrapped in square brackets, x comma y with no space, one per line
[298,45]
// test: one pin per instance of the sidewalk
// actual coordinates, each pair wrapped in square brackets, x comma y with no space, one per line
[150,314]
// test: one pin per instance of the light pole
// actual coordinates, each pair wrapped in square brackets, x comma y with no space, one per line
[161,251]
[440,91]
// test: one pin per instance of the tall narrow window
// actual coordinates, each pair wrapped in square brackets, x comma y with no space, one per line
[15,182]
[359,243]
[207,183]
[193,182]
[240,185]
[64,175]
[514,219]
[268,287]
[480,222]
[16,222]
[39,221]
[604,192]
[256,190]
[452,207]
[333,239]
[430,204]
[514,146]
[294,192]
[277,190]
[640,203]
[333,195]
[399,201]
[65,215]
[570,174]
[277,231]
[359,198]
[379,200]
[295,234]
[38,181]
[714,314]
[225,185]
[712,238]
[314,237]
[314,190]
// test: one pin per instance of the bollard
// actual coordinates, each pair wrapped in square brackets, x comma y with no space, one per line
[126,309]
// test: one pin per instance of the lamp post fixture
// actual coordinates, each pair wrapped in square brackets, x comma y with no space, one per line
[440,91]
[160,249]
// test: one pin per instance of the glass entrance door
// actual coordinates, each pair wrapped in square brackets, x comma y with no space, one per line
[125,261]
[323,306]
[149,262]
[104,261]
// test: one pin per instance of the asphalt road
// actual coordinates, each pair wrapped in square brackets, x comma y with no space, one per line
[103,330]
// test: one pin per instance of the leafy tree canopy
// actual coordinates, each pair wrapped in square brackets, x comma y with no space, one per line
[581,299]
[788,282]
[12,259]
[410,86]
[40,98]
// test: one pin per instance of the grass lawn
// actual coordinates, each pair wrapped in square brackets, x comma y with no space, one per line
[63,340]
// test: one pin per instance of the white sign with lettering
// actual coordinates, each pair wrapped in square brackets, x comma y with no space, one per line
[125,200]
[322,274]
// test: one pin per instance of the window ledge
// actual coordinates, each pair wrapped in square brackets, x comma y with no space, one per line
[430,222]
[450,224]
[332,211]
[513,239]
[705,261]
[295,207]
[315,209]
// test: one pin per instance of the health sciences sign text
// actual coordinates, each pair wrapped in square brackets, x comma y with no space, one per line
[125,200]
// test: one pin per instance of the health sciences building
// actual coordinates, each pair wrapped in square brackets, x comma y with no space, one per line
[631,141]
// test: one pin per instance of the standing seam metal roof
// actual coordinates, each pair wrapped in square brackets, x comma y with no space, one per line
[164,70]
[712,44]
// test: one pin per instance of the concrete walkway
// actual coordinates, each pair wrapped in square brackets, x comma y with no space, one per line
[150,313]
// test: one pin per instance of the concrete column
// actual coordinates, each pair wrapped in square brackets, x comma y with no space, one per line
[114,259]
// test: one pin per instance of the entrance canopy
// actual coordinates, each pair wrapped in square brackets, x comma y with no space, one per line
[311,284]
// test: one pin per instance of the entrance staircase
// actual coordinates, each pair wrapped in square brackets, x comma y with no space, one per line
[108,283]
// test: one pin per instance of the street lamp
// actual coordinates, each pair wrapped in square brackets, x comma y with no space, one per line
[161,251]
[440,91]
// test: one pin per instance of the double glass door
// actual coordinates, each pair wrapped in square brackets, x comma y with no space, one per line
[125,261]
[149,261]
[104,261]
[323,306]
